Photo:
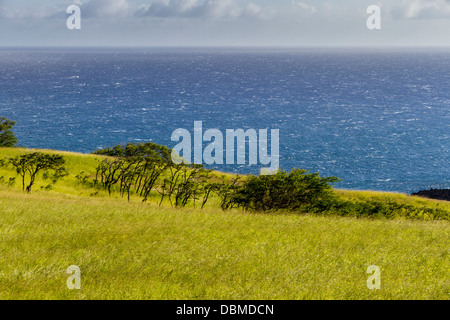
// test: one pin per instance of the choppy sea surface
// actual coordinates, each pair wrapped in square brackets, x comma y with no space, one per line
[378,119]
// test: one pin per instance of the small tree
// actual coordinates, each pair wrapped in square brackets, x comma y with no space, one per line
[207,188]
[227,192]
[133,166]
[110,171]
[33,163]
[7,137]
[190,186]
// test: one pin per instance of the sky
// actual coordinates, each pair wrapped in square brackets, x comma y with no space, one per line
[271,23]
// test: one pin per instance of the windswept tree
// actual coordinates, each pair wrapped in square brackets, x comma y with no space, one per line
[31,164]
[154,159]
[167,188]
[7,137]
[226,191]
[207,189]
[109,172]
[134,167]
[190,185]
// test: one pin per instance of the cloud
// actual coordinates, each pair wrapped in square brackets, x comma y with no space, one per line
[422,9]
[306,8]
[106,9]
[209,9]
[42,12]
[119,9]
[324,9]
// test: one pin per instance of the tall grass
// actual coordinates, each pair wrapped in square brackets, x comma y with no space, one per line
[134,251]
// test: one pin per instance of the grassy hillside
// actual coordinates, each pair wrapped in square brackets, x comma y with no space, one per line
[143,251]
[84,165]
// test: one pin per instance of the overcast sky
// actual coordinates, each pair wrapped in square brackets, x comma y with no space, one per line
[225,22]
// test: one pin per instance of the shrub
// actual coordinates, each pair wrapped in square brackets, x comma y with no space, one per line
[297,190]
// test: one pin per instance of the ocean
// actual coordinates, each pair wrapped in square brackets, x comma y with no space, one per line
[377,118]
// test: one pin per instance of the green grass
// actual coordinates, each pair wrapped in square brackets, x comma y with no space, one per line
[142,251]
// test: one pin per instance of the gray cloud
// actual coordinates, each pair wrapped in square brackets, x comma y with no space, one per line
[422,9]
[304,7]
[213,9]
[25,13]
[106,8]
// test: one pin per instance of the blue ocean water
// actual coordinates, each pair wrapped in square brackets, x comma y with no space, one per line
[378,119]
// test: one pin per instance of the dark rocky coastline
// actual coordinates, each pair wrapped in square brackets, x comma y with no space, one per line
[439,194]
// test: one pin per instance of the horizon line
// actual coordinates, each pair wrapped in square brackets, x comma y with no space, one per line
[225,46]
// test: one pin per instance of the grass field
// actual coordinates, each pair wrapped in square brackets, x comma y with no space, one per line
[143,251]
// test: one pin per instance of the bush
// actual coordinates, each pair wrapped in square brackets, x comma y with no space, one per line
[377,209]
[297,190]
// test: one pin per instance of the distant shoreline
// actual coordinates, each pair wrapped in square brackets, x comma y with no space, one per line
[438,194]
